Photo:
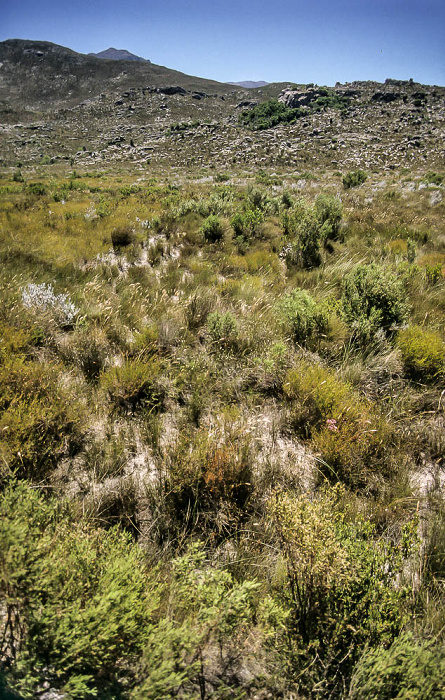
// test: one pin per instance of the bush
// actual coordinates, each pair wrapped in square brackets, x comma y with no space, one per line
[38,423]
[408,670]
[136,384]
[79,600]
[354,179]
[41,298]
[333,568]
[304,231]
[330,212]
[301,315]
[423,352]
[212,229]
[372,299]
[122,236]
[222,329]
[353,439]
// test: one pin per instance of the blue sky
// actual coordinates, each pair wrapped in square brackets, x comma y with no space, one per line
[317,41]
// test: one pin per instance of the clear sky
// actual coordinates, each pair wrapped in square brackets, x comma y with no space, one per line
[318,41]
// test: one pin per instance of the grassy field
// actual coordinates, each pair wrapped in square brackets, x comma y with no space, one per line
[221,433]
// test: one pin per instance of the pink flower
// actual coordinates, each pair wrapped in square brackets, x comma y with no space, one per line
[331,424]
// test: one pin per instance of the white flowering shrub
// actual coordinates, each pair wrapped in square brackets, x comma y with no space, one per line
[42,297]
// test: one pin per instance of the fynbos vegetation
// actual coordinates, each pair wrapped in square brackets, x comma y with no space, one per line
[222,410]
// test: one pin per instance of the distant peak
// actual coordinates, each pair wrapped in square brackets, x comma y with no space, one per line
[113,54]
[250,84]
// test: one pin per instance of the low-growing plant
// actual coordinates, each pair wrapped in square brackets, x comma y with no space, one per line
[122,236]
[39,424]
[423,352]
[41,298]
[408,669]
[135,384]
[222,329]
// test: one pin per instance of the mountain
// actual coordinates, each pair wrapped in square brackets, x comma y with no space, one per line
[39,75]
[58,105]
[249,84]
[118,55]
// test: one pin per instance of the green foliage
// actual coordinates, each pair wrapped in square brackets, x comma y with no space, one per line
[354,178]
[223,330]
[268,114]
[78,602]
[346,429]
[39,423]
[212,229]
[330,212]
[247,225]
[408,669]
[433,179]
[372,299]
[304,231]
[136,384]
[423,352]
[208,610]
[37,188]
[339,587]
[301,315]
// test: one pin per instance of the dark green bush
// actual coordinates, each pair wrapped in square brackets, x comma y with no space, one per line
[330,212]
[354,179]
[222,329]
[122,236]
[212,229]
[372,299]
[301,315]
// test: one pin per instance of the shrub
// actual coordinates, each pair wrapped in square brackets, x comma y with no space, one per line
[122,236]
[212,229]
[79,600]
[38,423]
[303,228]
[208,481]
[408,669]
[247,225]
[423,352]
[354,179]
[329,211]
[136,384]
[333,568]
[301,315]
[352,437]
[41,298]
[222,329]
[372,299]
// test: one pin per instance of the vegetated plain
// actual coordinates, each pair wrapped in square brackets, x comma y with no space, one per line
[221,429]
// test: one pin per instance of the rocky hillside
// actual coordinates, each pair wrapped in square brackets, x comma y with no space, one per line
[56,104]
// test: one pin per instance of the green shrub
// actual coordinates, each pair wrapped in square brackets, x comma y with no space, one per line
[407,670]
[212,229]
[304,231]
[347,430]
[136,384]
[39,423]
[372,299]
[330,212]
[354,179]
[79,600]
[423,352]
[301,315]
[222,329]
[333,569]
